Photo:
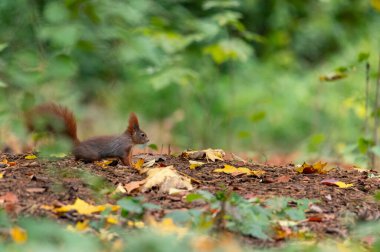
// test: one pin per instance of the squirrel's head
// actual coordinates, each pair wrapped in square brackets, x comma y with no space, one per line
[138,136]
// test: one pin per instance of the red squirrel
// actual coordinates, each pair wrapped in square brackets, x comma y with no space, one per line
[95,148]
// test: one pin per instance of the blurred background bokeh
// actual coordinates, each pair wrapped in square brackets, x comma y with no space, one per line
[244,75]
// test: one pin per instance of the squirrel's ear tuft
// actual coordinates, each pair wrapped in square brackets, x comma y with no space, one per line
[133,123]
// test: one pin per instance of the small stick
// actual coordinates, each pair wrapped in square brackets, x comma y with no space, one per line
[169,150]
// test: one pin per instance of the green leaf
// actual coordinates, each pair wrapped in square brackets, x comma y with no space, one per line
[3,84]
[363,57]
[153,146]
[131,205]
[277,204]
[205,195]
[56,12]
[363,145]
[377,196]
[228,50]
[151,206]
[244,134]
[221,4]
[179,216]
[295,214]
[258,116]
[3,46]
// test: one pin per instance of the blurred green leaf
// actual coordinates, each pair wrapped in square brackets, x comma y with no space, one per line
[364,145]
[244,134]
[56,12]
[315,142]
[3,84]
[3,46]
[226,50]
[258,116]
[363,57]
[153,146]
[220,4]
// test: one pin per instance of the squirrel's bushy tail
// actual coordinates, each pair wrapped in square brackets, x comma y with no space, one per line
[58,111]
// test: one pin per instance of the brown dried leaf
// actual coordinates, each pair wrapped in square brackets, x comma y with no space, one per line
[134,185]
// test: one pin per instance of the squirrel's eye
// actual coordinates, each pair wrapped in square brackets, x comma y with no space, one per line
[143,134]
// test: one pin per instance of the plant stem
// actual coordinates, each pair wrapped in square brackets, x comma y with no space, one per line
[370,155]
[376,109]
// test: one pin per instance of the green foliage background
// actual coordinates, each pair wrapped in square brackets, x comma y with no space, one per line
[235,74]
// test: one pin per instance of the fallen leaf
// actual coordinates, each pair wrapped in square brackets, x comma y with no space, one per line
[19,235]
[318,167]
[208,154]
[103,163]
[131,186]
[9,200]
[166,226]
[315,218]
[174,191]
[112,220]
[135,224]
[6,163]
[139,163]
[119,189]
[229,169]
[149,163]
[335,182]
[83,207]
[29,157]
[1,175]
[195,164]
[165,179]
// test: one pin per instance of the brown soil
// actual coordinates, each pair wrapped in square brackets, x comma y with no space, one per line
[56,182]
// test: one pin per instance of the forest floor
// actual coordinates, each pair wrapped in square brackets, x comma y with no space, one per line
[34,183]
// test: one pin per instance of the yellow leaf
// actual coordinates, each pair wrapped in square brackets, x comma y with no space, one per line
[82,225]
[136,224]
[1,175]
[167,226]
[138,164]
[19,235]
[83,207]
[214,154]
[29,157]
[343,185]
[318,167]
[229,169]
[195,164]
[376,4]
[112,220]
[103,163]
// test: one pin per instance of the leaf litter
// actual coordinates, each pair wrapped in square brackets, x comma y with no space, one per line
[15,197]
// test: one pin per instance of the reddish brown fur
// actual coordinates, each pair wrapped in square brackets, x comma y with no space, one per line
[60,112]
[133,123]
